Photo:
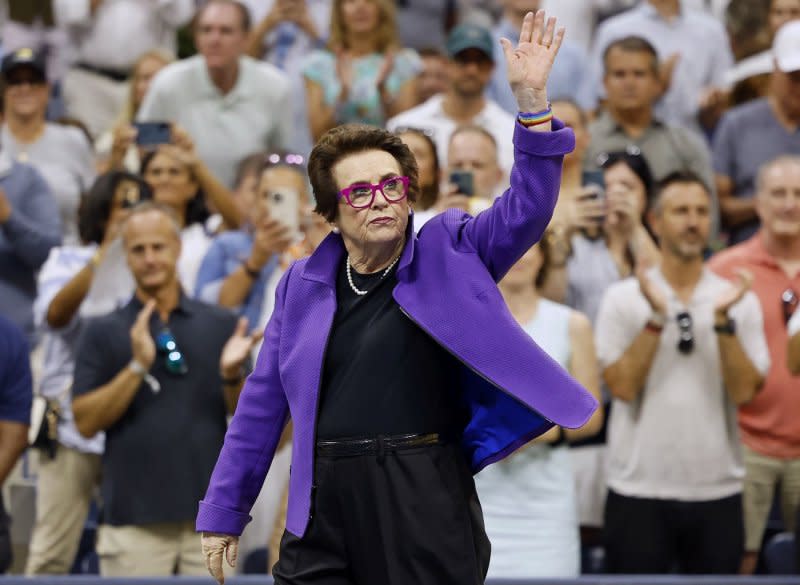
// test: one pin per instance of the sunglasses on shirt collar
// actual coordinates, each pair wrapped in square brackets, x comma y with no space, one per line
[685,333]
[174,361]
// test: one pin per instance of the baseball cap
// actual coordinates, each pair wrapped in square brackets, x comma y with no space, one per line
[24,57]
[786,47]
[470,36]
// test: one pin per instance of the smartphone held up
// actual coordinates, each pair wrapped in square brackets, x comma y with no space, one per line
[152,133]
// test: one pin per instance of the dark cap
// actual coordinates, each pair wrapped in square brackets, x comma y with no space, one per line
[470,36]
[24,57]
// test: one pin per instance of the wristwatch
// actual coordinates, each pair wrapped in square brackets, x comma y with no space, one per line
[727,328]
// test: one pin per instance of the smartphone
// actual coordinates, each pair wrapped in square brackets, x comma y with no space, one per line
[284,205]
[152,133]
[464,181]
[594,185]
[594,178]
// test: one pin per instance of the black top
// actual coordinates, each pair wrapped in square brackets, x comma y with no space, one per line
[383,375]
[159,456]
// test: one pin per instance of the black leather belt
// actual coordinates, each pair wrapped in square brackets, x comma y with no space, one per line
[111,74]
[376,446]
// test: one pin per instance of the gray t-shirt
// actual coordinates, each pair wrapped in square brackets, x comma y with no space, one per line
[679,439]
[64,157]
[747,137]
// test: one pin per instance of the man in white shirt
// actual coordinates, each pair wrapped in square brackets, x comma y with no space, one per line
[106,37]
[230,104]
[681,348]
[471,52]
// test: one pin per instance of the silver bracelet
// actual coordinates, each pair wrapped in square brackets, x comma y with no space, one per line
[137,368]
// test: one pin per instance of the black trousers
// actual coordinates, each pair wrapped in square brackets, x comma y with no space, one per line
[408,516]
[658,536]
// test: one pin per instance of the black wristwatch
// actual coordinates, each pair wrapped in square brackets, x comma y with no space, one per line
[727,328]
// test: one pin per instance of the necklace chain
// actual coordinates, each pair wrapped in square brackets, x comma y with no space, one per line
[358,291]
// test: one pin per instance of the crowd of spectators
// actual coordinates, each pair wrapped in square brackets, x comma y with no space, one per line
[668,281]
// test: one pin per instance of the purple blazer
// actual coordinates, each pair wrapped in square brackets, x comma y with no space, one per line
[447,278]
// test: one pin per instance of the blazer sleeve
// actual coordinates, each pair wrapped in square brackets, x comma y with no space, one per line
[517,219]
[252,438]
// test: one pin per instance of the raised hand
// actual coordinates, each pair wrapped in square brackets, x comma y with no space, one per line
[734,293]
[586,211]
[651,292]
[271,237]
[142,345]
[623,213]
[237,348]
[344,71]
[530,63]
[386,68]
[215,546]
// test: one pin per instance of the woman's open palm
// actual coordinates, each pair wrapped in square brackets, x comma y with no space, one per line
[529,64]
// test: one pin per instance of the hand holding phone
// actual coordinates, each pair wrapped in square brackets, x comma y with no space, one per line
[284,206]
[152,133]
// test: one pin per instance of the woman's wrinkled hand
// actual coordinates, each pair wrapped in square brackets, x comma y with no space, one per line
[215,547]
[530,63]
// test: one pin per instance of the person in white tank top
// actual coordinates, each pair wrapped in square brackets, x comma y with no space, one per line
[528,499]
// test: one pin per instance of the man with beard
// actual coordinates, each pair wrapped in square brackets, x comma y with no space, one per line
[471,52]
[681,348]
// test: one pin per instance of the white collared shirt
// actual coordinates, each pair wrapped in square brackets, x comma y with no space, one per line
[226,128]
[120,31]
[679,439]
[430,116]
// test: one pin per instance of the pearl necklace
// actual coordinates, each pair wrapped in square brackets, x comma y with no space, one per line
[359,292]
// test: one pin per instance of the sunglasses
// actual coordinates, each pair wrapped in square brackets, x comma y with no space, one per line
[604,157]
[173,358]
[415,130]
[685,335]
[789,302]
[290,158]
[362,195]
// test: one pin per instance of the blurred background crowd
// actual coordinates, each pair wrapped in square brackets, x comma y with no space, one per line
[210,110]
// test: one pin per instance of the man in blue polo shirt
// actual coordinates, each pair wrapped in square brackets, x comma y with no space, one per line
[16,395]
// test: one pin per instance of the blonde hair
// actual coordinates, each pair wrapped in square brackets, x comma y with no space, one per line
[129,110]
[384,36]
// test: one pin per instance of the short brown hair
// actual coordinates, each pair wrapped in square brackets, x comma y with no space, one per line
[150,206]
[343,141]
[244,13]
[633,44]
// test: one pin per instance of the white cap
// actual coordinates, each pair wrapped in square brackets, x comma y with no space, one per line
[786,47]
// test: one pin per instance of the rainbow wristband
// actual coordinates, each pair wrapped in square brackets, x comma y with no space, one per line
[529,119]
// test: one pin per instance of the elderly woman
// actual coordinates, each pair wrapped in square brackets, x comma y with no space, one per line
[402,369]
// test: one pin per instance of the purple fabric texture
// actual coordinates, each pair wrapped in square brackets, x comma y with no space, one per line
[447,278]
